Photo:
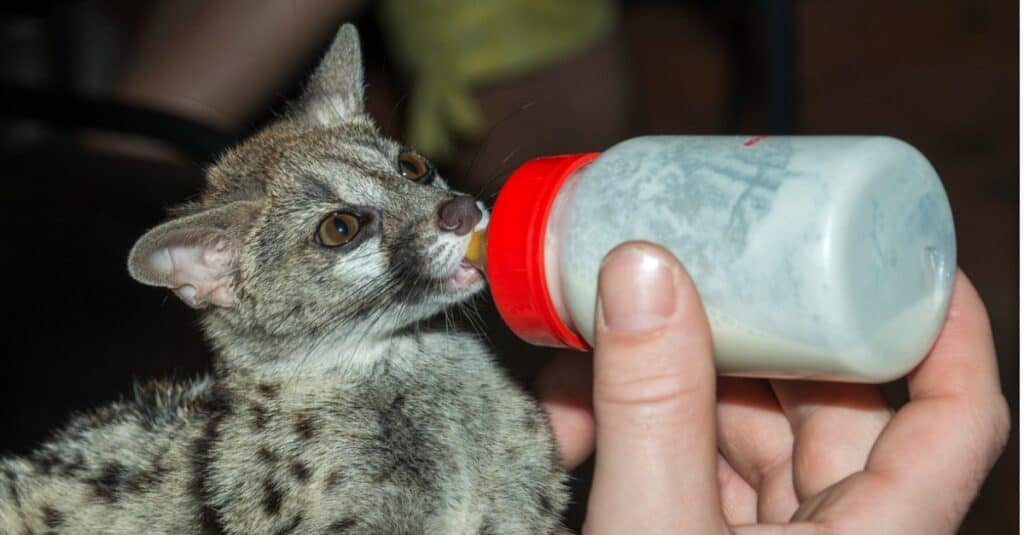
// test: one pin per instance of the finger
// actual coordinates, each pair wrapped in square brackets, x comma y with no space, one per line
[962,362]
[564,388]
[834,428]
[932,457]
[778,529]
[957,421]
[755,438]
[654,399]
[739,500]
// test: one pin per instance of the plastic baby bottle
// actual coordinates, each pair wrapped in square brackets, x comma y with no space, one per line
[827,258]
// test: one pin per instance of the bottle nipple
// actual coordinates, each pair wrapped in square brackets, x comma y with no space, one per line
[476,252]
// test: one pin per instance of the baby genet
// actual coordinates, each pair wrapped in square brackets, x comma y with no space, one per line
[314,254]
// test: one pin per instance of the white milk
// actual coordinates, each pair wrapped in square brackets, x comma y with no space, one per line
[816,257]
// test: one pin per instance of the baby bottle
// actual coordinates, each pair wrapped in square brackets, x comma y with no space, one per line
[826,258]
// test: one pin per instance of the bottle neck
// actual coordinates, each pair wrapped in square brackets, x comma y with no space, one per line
[518,268]
[555,234]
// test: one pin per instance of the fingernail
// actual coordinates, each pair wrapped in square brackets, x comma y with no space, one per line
[637,291]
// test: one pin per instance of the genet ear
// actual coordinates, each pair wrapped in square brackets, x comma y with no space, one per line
[335,91]
[196,256]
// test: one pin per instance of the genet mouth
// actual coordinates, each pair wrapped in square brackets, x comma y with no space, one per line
[464,277]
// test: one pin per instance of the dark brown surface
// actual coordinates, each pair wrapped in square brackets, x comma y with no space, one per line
[942,75]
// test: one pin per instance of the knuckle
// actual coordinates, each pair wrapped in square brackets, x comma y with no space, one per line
[1001,422]
[645,390]
[765,467]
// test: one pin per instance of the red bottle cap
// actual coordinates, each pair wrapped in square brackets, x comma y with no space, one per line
[515,250]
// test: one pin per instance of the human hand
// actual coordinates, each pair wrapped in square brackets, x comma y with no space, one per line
[765,456]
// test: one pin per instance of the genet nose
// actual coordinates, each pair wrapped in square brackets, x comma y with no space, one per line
[459,215]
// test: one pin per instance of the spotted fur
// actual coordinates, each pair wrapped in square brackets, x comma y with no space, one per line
[330,410]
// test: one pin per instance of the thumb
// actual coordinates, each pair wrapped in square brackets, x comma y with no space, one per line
[654,399]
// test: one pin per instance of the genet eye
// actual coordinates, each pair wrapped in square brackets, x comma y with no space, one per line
[337,229]
[414,167]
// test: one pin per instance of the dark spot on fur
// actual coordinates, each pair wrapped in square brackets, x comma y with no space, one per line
[271,497]
[12,486]
[486,527]
[513,451]
[155,404]
[53,518]
[306,426]
[404,448]
[161,403]
[268,390]
[201,456]
[266,455]
[333,479]
[209,523]
[46,461]
[301,471]
[219,401]
[99,417]
[292,526]
[146,479]
[76,466]
[107,484]
[342,526]
[259,417]
[532,423]
[545,503]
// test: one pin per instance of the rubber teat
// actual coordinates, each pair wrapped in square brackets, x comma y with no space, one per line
[476,252]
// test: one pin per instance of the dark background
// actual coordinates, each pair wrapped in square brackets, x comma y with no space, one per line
[940,74]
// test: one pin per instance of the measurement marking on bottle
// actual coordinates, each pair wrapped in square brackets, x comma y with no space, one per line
[753,141]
